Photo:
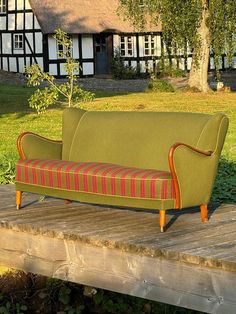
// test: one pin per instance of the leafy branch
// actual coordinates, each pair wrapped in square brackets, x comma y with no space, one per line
[68,92]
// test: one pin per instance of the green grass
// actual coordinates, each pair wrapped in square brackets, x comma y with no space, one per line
[16,117]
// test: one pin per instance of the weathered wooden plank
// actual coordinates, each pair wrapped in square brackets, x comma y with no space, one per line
[187,240]
[211,291]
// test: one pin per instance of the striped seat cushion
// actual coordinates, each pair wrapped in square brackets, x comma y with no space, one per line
[94,177]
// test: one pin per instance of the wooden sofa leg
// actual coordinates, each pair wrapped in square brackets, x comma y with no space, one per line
[204,212]
[67,201]
[162,214]
[18,199]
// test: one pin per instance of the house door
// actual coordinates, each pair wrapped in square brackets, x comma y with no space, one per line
[101,51]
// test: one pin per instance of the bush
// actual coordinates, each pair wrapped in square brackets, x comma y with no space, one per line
[225,185]
[157,85]
[164,69]
[7,169]
[120,71]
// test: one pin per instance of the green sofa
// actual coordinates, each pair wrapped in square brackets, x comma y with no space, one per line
[150,160]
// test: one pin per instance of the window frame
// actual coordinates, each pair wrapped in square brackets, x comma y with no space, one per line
[126,46]
[150,45]
[16,40]
[3,7]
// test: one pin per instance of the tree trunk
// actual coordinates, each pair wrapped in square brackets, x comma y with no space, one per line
[199,70]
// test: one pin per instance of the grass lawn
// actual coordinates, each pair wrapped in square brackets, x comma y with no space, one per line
[16,117]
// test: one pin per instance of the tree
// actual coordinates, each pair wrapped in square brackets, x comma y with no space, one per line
[68,92]
[197,24]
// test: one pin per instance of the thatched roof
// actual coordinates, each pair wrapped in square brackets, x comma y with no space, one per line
[79,16]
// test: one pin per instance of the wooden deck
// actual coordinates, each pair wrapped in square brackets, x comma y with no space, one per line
[191,265]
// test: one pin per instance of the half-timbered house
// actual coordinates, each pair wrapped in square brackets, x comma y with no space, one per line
[27,28]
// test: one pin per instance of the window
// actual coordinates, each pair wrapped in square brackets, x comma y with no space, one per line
[18,41]
[3,6]
[149,45]
[62,51]
[126,46]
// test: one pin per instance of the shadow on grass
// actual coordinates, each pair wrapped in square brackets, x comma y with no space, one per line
[14,100]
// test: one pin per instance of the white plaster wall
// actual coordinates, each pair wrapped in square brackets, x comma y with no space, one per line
[53,69]
[29,36]
[6,43]
[11,4]
[18,51]
[134,40]
[20,21]
[158,45]
[11,21]
[62,69]
[182,64]
[88,68]
[75,47]
[27,61]
[142,67]
[226,62]
[38,42]
[3,22]
[141,46]
[134,64]
[5,66]
[12,62]
[20,4]
[21,65]
[212,63]
[52,47]
[116,42]
[36,23]
[40,62]
[189,63]
[29,20]
[27,4]
[150,64]
[87,47]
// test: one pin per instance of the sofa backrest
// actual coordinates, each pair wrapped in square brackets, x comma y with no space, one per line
[138,139]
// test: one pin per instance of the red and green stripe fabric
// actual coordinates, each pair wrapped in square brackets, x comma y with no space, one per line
[98,178]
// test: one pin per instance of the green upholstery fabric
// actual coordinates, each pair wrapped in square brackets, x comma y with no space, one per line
[140,140]
[70,123]
[136,139]
[195,172]
[34,146]
[97,199]
[97,178]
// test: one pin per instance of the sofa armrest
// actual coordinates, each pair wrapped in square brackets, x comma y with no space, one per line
[193,172]
[33,146]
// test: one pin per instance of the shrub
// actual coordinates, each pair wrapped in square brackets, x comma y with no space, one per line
[164,69]
[157,85]
[120,71]
[7,169]
[225,185]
